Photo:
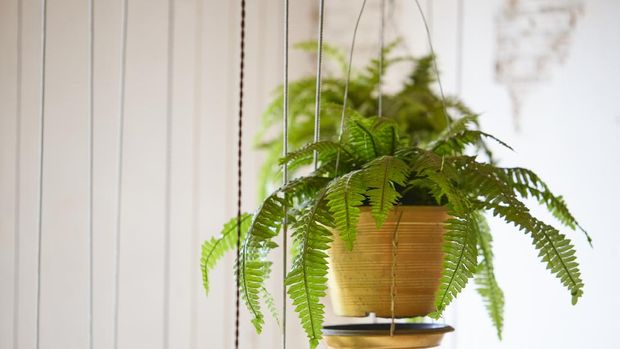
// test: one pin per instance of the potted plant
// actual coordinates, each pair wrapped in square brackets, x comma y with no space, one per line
[415,106]
[415,205]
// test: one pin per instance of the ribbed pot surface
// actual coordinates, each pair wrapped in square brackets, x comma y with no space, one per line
[360,280]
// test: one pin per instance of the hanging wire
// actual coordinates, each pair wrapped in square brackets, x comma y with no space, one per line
[119,193]
[18,152]
[459,46]
[168,184]
[393,273]
[458,90]
[430,45]
[285,101]
[319,59]
[239,167]
[91,99]
[346,84]
[381,48]
[41,162]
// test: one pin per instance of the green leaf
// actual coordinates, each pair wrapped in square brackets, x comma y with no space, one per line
[555,250]
[460,254]
[380,176]
[214,248]
[488,288]
[254,266]
[527,184]
[307,279]
[345,195]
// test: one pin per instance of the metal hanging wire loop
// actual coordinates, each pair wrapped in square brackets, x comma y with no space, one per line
[345,98]
[91,131]
[119,185]
[18,152]
[381,48]
[317,108]
[239,167]
[430,45]
[168,175]
[285,110]
[41,163]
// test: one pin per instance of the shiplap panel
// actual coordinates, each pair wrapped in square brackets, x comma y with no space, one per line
[107,48]
[183,270]
[141,292]
[216,158]
[29,179]
[8,175]
[64,231]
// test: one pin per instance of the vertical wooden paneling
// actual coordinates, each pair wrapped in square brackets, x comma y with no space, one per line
[64,232]
[29,170]
[143,206]
[8,156]
[216,157]
[203,159]
[183,268]
[107,45]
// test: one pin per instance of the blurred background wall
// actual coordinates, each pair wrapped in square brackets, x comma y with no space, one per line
[542,73]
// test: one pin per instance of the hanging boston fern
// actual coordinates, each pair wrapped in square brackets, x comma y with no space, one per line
[415,107]
[417,177]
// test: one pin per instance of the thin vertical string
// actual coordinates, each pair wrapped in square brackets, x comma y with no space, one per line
[18,170]
[381,48]
[119,187]
[41,162]
[239,167]
[393,274]
[430,45]
[91,99]
[319,61]
[196,168]
[458,88]
[168,185]
[459,45]
[380,106]
[285,101]
[345,98]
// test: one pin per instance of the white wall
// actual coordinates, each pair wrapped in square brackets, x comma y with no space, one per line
[569,134]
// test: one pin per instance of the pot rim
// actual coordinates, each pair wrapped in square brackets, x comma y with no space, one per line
[383,329]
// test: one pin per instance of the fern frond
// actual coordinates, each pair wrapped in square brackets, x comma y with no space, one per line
[456,144]
[555,249]
[330,51]
[326,151]
[345,195]
[488,288]
[528,184]
[361,138]
[460,258]
[271,305]
[215,248]
[307,279]
[380,176]
[254,266]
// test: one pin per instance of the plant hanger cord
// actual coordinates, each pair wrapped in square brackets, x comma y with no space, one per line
[346,84]
[239,166]
[285,169]
[430,46]
[41,163]
[319,59]
[381,47]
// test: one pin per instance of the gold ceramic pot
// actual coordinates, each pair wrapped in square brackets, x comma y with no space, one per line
[361,281]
